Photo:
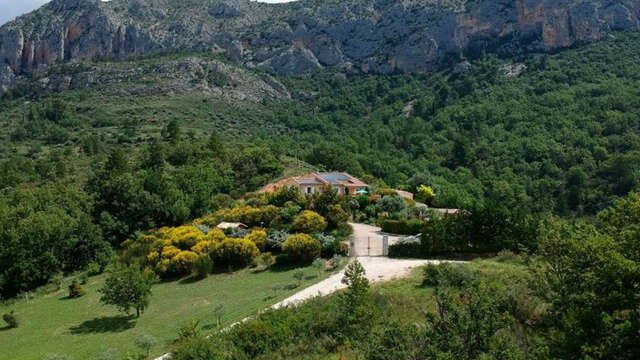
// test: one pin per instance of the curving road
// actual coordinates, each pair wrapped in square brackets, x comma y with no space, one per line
[367,239]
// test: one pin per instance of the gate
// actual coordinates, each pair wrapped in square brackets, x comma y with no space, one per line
[368,246]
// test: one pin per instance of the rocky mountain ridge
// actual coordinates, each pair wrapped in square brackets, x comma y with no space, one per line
[380,36]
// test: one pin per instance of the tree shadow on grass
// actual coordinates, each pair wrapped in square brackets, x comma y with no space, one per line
[190,280]
[5,328]
[285,267]
[105,324]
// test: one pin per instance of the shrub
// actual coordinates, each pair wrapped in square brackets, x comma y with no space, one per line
[258,237]
[391,204]
[276,238]
[202,266]
[94,269]
[309,222]
[507,255]
[402,227]
[385,192]
[84,278]
[425,194]
[204,247]
[328,243]
[215,234]
[183,262]
[234,252]
[236,233]
[285,195]
[319,265]
[290,210]
[447,275]
[302,248]
[75,290]
[221,201]
[266,260]
[336,215]
[11,319]
[406,250]
[184,237]
[336,261]
[249,215]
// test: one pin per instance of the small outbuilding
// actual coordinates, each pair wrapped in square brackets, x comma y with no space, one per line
[231,225]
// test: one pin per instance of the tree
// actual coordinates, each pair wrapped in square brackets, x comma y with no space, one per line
[127,288]
[358,312]
[146,342]
[357,284]
[425,194]
[11,319]
[202,266]
[172,131]
[216,145]
[298,275]
[155,156]
[219,311]
[318,264]
[336,215]
[391,204]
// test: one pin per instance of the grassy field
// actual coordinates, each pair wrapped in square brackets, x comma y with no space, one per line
[83,328]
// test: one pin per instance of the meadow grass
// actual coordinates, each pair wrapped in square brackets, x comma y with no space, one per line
[83,328]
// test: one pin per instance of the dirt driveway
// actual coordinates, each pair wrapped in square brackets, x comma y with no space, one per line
[368,240]
[377,269]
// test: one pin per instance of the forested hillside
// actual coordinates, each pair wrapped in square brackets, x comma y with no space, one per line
[562,136]
[82,170]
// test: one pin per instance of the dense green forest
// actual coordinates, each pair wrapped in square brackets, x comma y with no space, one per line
[81,171]
[561,137]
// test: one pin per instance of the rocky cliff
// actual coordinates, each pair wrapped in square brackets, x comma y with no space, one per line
[380,36]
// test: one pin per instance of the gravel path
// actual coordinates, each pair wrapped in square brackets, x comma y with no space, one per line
[377,269]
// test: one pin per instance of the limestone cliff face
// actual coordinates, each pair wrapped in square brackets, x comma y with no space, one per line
[354,35]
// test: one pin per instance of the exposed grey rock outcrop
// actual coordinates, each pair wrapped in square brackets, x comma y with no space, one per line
[355,35]
[166,77]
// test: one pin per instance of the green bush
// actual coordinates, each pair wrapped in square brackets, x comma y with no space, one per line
[485,229]
[75,290]
[402,227]
[406,250]
[11,319]
[202,266]
[447,275]
[309,222]
[265,260]
[302,248]
[391,204]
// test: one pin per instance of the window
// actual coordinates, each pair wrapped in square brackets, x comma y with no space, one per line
[309,190]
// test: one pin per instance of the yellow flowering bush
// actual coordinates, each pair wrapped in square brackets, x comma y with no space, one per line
[185,237]
[234,252]
[204,247]
[245,214]
[309,221]
[215,235]
[258,237]
[183,262]
[302,248]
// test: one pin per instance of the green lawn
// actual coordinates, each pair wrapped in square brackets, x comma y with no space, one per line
[83,328]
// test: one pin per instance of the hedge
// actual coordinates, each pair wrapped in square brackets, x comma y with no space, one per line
[402,227]
[482,230]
